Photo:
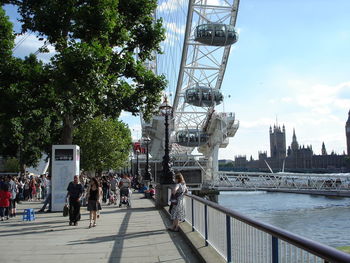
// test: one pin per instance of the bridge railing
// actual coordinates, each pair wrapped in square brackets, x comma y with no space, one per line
[238,238]
[278,181]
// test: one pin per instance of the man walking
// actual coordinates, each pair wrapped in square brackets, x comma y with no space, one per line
[48,195]
[75,191]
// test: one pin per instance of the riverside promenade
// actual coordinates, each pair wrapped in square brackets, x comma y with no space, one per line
[136,234]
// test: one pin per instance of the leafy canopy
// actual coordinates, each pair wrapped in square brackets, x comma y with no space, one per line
[101,49]
[104,144]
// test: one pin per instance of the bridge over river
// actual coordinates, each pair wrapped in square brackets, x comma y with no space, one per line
[319,184]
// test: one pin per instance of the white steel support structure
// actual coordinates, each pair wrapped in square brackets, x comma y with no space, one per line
[204,65]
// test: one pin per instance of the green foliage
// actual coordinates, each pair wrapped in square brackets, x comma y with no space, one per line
[6,36]
[25,128]
[104,143]
[98,70]
[95,71]
[11,165]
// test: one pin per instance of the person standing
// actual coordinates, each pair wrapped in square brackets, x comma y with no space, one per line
[124,186]
[93,197]
[5,196]
[48,194]
[27,190]
[32,186]
[74,192]
[177,213]
[13,191]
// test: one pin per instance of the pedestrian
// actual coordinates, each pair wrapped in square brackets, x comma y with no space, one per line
[48,195]
[32,186]
[93,197]
[5,196]
[26,193]
[43,186]
[124,186]
[38,188]
[100,194]
[13,190]
[74,192]
[20,186]
[177,212]
[105,189]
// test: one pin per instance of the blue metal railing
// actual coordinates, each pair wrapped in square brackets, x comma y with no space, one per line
[241,239]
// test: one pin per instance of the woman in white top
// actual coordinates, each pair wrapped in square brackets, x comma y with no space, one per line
[177,212]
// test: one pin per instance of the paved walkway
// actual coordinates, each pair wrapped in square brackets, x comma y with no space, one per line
[134,234]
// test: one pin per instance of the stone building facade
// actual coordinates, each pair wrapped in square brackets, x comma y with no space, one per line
[347,131]
[296,158]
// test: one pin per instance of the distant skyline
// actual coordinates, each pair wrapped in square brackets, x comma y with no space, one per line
[292,61]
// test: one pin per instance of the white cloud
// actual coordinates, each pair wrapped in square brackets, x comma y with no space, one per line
[216,2]
[136,131]
[287,99]
[318,112]
[320,97]
[31,44]
[262,123]
[173,27]
[125,114]
[171,5]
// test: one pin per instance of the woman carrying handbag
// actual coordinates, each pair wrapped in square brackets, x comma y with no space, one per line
[93,197]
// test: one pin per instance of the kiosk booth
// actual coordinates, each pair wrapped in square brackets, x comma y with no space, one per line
[65,165]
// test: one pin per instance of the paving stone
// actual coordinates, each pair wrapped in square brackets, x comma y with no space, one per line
[136,234]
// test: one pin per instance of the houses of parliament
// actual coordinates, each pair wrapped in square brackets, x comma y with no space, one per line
[296,158]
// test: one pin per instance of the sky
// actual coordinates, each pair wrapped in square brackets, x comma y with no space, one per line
[291,63]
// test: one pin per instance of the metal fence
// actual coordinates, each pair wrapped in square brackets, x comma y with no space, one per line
[240,239]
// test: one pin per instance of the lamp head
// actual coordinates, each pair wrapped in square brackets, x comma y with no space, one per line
[165,107]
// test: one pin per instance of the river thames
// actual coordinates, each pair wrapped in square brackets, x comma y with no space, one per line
[320,218]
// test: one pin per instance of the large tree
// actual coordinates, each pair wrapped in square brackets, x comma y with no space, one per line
[105,144]
[101,47]
[26,122]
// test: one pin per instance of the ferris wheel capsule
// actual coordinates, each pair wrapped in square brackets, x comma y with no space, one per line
[202,96]
[191,137]
[216,34]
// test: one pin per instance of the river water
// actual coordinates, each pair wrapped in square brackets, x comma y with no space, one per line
[320,218]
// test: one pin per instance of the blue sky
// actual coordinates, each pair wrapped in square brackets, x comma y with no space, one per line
[292,61]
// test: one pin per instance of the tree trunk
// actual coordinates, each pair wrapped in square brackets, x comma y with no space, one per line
[22,165]
[67,131]
[23,168]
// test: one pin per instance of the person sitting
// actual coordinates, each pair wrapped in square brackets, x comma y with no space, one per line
[150,192]
[143,188]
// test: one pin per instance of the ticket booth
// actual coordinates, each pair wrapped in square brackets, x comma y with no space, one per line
[65,165]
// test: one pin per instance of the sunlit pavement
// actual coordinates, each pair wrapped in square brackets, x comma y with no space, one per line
[136,234]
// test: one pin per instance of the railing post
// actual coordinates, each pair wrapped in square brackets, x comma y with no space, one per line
[192,212]
[206,224]
[228,238]
[274,249]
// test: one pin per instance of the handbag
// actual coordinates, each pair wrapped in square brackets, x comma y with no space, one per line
[173,199]
[65,210]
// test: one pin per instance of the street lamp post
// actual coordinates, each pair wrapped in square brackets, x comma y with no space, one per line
[167,176]
[147,176]
[137,163]
[131,168]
